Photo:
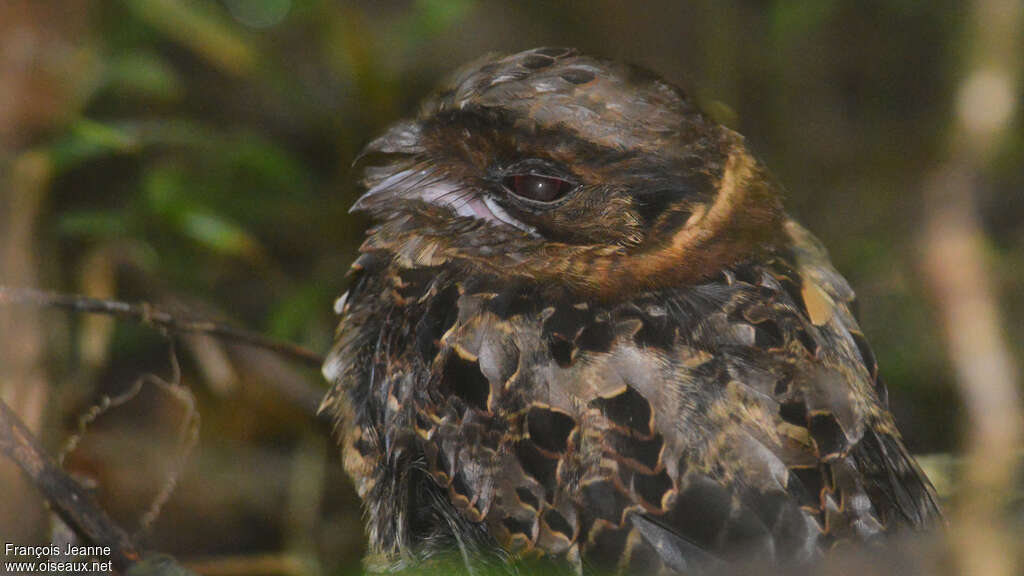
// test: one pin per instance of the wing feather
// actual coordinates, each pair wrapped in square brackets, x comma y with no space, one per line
[679,429]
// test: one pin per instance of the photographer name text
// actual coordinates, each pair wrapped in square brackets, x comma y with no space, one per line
[47,551]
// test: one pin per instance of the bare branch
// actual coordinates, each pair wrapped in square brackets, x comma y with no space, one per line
[147,314]
[961,283]
[70,501]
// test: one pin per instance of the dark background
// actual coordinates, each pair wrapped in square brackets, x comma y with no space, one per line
[196,155]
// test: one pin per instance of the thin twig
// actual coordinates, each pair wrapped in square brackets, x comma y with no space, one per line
[70,501]
[147,314]
[188,437]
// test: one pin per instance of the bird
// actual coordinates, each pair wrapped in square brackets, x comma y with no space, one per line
[583,333]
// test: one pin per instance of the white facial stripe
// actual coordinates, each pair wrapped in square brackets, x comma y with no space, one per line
[500,214]
[443,193]
[389,182]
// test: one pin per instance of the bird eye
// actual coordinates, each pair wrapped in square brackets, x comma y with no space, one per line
[537,188]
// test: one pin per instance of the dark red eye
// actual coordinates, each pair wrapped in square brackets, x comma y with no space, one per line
[537,188]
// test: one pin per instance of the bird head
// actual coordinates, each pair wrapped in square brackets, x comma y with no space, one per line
[556,167]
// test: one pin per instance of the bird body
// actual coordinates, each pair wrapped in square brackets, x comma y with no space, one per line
[583,330]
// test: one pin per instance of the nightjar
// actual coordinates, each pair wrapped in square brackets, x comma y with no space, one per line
[583,331]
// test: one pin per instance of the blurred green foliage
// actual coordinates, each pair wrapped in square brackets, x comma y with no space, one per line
[208,164]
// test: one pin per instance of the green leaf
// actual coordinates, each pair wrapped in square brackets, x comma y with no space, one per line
[200,28]
[173,193]
[87,140]
[143,74]
[219,234]
[92,224]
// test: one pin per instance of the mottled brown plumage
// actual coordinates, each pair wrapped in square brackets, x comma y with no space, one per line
[584,331]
